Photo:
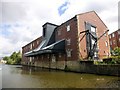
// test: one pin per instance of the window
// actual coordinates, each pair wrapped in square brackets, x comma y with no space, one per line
[33,44]
[68,27]
[30,59]
[93,29]
[119,32]
[59,54]
[113,35]
[68,41]
[110,42]
[59,32]
[106,43]
[37,42]
[53,59]
[69,53]
[113,41]
[119,39]
[48,56]
[33,58]
[30,46]
[110,36]
[44,32]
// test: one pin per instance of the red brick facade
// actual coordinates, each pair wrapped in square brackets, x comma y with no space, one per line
[114,39]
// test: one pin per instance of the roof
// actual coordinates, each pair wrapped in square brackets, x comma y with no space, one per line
[56,47]
[114,31]
[32,41]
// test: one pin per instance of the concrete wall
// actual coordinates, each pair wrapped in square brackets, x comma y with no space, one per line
[81,66]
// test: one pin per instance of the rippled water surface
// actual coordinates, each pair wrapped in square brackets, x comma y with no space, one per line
[26,77]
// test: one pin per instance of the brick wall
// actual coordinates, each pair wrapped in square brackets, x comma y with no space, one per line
[93,19]
[114,39]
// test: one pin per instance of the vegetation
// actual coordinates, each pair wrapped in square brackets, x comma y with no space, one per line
[116,56]
[113,59]
[15,58]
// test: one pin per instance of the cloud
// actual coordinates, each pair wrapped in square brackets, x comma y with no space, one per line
[63,8]
[22,20]
[12,12]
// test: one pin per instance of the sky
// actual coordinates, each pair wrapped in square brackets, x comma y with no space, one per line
[21,20]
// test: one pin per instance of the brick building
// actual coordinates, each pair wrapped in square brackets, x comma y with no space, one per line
[62,45]
[114,39]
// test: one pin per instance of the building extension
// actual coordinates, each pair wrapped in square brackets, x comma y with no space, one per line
[64,45]
[114,39]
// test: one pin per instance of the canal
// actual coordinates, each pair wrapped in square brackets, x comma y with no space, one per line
[14,76]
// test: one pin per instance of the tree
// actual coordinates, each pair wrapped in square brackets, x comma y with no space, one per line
[15,58]
[117,51]
[116,56]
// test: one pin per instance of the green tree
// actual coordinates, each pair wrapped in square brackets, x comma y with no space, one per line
[15,58]
[117,51]
[116,56]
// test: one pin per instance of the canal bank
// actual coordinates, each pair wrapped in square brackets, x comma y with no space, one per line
[14,76]
[80,67]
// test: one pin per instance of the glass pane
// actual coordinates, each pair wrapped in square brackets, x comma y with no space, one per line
[93,29]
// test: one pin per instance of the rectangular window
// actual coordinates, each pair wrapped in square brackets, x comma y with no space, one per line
[68,27]
[30,59]
[106,43]
[110,42]
[93,29]
[110,36]
[68,41]
[30,46]
[113,35]
[59,55]
[113,41]
[53,58]
[69,53]
[59,32]
[119,39]
[37,42]
[119,32]
[33,44]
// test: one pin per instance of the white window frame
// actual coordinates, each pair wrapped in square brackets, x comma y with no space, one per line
[92,27]
[69,53]
[68,41]
[53,58]
[68,28]
[106,43]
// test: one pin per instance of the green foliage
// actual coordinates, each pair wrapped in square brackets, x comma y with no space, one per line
[116,56]
[15,58]
[116,51]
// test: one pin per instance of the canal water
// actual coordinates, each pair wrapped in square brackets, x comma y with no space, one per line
[14,76]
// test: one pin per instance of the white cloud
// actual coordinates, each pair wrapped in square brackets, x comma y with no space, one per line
[32,14]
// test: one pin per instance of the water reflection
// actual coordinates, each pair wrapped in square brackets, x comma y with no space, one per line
[28,77]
